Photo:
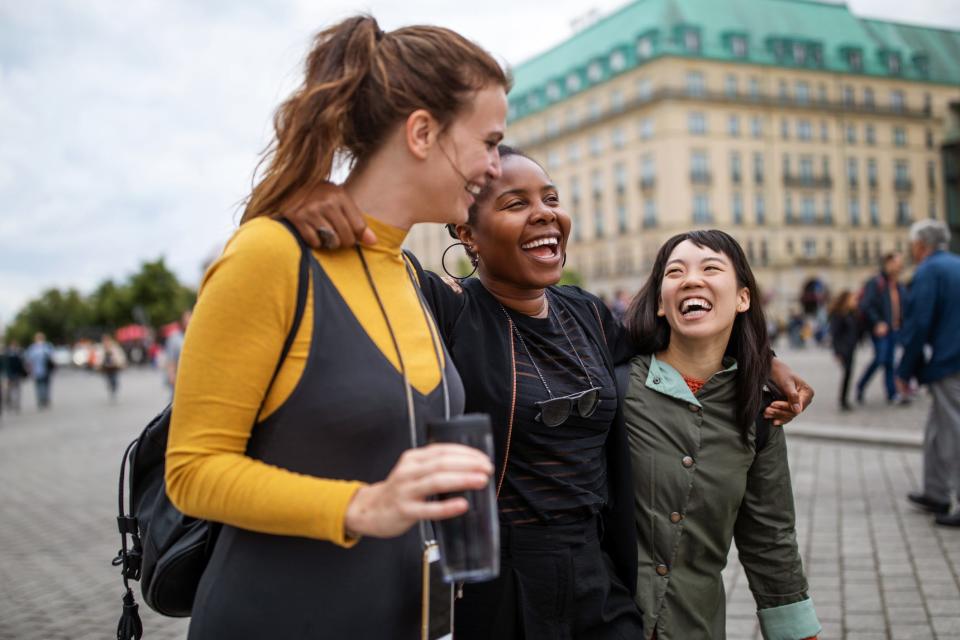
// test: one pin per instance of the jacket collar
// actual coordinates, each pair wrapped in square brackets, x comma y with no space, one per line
[663,378]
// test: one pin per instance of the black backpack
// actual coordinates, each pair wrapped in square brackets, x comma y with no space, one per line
[168,551]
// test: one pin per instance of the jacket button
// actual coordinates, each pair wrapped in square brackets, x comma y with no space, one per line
[656,381]
[687,461]
[675,517]
[694,408]
[662,570]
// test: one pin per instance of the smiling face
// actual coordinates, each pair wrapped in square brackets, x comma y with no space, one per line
[700,296]
[520,231]
[465,157]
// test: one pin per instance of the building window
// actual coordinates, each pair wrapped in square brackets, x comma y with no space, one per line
[730,86]
[904,217]
[901,174]
[874,212]
[595,72]
[738,45]
[622,222]
[851,134]
[645,47]
[806,169]
[737,209]
[932,209]
[824,131]
[644,89]
[788,208]
[553,127]
[899,136]
[809,248]
[808,211]
[929,139]
[868,99]
[553,159]
[893,63]
[786,164]
[598,223]
[827,209]
[697,123]
[758,167]
[646,128]
[648,170]
[764,253]
[571,120]
[691,40]
[872,173]
[931,174]
[575,191]
[852,171]
[855,60]
[782,91]
[854,210]
[822,93]
[760,209]
[616,100]
[801,92]
[754,88]
[618,61]
[573,152]
[699,166]
[618,138]
[620,178]
[784,129]
[897,101]
[695,83]
[701,209]
[733,126]
[596,184]
[927,103]
[573,82]
[735,172]
[756,127]
[593,109]
[596,146]
[848,97]
[870,135]
[799,53]
[649,213]
[804,130]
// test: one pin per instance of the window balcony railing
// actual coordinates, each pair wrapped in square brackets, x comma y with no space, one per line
[808,181]
[903,184]
[648,182]
[700,177]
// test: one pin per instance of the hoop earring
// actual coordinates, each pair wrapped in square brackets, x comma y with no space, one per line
[443,263]
[564,260]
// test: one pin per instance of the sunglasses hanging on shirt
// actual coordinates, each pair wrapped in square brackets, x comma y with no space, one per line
[556,411]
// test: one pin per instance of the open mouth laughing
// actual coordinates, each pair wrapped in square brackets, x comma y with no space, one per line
[694,307]
[545,248]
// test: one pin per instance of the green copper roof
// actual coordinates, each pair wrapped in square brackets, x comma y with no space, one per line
[787,33]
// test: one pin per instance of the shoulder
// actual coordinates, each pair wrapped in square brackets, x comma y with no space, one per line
[573,292]
[262,251]
[262,238]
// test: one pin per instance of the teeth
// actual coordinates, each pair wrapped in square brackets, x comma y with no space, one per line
[474,189]
[699,302]
[539,243]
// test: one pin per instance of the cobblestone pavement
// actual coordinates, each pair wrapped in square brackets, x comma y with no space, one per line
[877,568]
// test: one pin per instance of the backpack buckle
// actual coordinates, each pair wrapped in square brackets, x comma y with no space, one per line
[128,524]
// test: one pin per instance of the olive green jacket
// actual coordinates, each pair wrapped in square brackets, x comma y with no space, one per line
[699,484]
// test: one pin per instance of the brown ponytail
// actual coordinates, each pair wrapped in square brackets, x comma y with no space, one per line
[360,82]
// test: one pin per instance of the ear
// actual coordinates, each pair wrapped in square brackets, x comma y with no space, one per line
[743,300]
[660,312]
[421,130]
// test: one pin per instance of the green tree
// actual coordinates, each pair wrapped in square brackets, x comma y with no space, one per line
[61,315]
[110,305]
[571,276]
[157,295]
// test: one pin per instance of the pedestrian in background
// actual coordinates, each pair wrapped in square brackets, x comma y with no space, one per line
[881,308]
[111,360]
[39,360]
[14,371]
[932,320]
[172,348]
[844,336]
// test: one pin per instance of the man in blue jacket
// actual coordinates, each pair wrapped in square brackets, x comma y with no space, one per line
[932,319]
[882,306]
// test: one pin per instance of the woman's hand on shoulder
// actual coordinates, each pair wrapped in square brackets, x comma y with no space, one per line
[797,393]
[389,508]
[327,218]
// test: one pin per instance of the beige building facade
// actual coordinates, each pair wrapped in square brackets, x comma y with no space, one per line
[816,171]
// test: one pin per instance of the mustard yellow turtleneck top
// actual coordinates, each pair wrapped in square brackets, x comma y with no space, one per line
[243,314]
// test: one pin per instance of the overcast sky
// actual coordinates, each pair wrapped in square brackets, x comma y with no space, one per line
[129,130]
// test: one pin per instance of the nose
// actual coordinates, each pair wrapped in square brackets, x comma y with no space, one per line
[494,170]
[540,213]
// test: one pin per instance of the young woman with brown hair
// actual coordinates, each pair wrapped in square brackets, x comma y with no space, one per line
[300,470]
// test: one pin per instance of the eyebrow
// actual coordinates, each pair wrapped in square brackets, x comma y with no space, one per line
[707,259]
[511,192]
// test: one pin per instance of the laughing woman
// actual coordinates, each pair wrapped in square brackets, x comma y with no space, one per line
[705,470]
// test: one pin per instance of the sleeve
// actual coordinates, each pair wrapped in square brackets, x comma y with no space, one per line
[244,311]
[872,303]
[765,534]
[918,317]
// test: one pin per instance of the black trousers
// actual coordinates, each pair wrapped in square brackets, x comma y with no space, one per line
[555,583]
[847,364]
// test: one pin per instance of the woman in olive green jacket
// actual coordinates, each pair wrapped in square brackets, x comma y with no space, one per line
[700,478]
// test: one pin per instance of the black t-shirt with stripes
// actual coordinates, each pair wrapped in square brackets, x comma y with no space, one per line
[556,474]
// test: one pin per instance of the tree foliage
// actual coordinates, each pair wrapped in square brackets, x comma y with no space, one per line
[152,296]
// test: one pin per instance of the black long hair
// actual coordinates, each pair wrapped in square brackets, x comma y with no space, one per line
[749,344]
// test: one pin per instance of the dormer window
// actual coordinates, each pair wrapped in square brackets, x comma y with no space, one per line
[799,53]
[691,40]
[893,62]
[573,82]
[553,91]
[816,54]
[645,47]
[618,61]
[533,101]
[779,49]
[855,60]
[738,46]
[595,72]
[921,63]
